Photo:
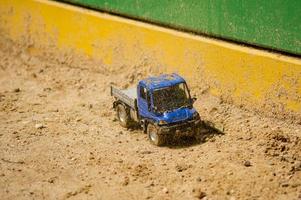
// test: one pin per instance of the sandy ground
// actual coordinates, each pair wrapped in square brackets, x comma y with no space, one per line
[59,139]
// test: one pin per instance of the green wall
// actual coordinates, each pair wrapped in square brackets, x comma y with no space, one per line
[274,24]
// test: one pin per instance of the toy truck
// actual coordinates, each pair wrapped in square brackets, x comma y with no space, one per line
[161,105]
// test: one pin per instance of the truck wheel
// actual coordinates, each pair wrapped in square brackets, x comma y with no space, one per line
[123,116]
[154,137]
[197,135]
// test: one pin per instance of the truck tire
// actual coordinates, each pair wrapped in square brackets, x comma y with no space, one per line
[154,136]
[197,135]
[123,116]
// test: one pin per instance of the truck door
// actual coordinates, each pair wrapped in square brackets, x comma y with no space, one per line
[143,102]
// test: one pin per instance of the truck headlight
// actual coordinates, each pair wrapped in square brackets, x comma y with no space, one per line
[162,122]
[196,115]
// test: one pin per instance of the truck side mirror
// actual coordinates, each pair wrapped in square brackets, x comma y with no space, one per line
[193,99]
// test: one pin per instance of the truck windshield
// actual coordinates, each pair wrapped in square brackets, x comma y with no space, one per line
[170,98]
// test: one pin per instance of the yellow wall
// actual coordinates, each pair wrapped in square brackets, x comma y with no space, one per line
[243,75]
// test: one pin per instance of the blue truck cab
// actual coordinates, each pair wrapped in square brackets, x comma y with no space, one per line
[162,105]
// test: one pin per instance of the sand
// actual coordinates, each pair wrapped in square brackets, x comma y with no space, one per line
[59,139]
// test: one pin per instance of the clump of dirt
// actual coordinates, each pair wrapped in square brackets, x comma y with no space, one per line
[285,147]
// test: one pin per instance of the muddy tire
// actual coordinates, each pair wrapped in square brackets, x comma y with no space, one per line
[154,137]
[123,116]
[197,135]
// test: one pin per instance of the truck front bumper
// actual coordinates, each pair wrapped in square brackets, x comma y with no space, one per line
[189,128]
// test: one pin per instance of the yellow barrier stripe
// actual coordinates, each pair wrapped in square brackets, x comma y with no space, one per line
[245,75]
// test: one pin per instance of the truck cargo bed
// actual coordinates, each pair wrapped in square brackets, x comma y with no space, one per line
[128,96]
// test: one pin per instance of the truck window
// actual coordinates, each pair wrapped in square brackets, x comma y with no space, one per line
[170,98]
[183,89]
[148,99]
[143,92]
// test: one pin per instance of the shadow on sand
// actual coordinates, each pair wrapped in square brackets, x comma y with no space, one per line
[208,132]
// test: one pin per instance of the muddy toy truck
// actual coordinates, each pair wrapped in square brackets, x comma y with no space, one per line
[161,105]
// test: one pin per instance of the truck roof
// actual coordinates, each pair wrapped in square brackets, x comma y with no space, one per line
[164,80]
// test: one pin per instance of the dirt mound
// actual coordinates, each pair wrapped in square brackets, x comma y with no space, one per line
[285,147]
